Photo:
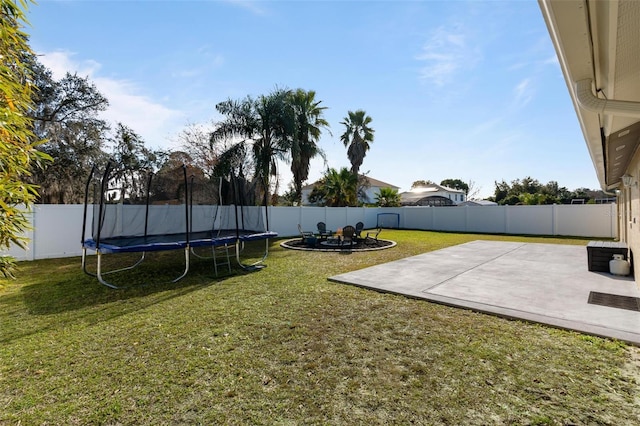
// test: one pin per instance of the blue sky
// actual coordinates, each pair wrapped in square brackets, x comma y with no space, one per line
[466,90]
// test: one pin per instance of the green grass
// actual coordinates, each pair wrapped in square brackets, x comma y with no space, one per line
[286,346]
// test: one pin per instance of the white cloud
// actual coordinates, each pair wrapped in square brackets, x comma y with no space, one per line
[152,120]
[60,62]
[149,118]
[523,93]
[445,53]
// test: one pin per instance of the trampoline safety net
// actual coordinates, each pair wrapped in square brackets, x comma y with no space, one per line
[177,207]
[177,201]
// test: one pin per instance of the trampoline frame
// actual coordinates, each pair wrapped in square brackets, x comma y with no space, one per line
[185,242]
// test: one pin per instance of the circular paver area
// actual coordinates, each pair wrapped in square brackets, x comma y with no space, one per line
[370,245]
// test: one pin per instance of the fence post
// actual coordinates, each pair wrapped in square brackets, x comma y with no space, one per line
[506,218]
[466,218]
[32,255]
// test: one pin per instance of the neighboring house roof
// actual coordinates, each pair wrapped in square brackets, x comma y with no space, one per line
[380,184]
[431,188]
[478,203]
[431,200]
[420,194]
[372,183]
[434,187]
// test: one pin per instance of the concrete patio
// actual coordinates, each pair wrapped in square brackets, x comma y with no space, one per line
[542,283]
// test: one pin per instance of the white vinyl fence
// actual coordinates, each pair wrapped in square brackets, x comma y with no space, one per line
[57,228]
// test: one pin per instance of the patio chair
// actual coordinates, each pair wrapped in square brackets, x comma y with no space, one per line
[372,236]
[322,230]
[359,228]
[306,235]
[348,235]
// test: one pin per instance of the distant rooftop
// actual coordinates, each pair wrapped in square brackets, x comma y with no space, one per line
[372,182]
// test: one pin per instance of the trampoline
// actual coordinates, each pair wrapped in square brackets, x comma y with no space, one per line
[177,208]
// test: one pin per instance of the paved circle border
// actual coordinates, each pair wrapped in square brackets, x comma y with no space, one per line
[340,249]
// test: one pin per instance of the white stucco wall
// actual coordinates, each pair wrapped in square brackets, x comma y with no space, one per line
[629,211]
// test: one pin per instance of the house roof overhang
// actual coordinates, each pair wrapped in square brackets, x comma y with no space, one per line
[596,44]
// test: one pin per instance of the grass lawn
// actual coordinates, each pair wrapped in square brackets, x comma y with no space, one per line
[285,346]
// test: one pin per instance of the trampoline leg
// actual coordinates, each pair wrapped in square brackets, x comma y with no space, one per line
[99,272]
[255,265]
[84,262]
[187,250]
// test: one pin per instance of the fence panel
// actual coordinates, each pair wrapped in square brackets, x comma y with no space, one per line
[589,220]
[486,219]
[449,219]
[57,227]
[522,220]
[417,218]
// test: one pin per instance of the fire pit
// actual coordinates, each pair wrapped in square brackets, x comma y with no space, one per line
[335,244]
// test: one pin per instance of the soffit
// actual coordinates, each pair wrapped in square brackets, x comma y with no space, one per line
[618,77]
[621,146]
[599,40]
[570,31]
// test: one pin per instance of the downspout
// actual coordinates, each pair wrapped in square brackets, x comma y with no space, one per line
[588,101]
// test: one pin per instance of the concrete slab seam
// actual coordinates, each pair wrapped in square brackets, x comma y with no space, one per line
[472,268]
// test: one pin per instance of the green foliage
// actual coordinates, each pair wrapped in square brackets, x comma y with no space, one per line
[264,126]
[283,125]
[357,137]
[456,184]
[17,141]
[388,197]
[336,189]
[419,183]
[530,191]
[304,145]
[291,197]
[65,114]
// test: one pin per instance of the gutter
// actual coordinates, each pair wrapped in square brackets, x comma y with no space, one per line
[588,101]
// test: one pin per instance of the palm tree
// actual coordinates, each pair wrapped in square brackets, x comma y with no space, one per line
[304,146]
[336,188]
[266,123]
[357,137]
[388,197]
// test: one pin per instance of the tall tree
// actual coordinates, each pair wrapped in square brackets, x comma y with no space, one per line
[456,184]
[134,160]
[266,124]
[473,191]
[357,137]
[65,113]
[422,182]
[309,122]
[531,191]
[17,140]
[196,141]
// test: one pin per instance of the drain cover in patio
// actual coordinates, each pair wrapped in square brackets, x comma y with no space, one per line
[615,301]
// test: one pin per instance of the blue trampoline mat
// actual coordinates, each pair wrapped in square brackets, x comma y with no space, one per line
[175,241]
